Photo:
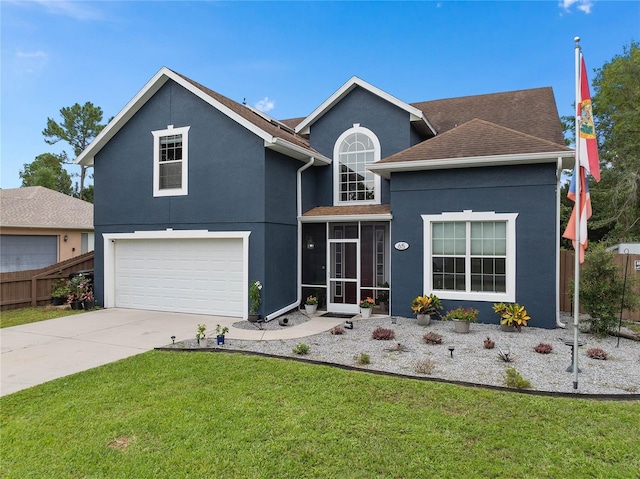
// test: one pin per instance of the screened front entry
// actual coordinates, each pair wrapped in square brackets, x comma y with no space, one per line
[344,263]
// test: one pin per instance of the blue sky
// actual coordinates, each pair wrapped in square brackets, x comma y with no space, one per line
[288,57]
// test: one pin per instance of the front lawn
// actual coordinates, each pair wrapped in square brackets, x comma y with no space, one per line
[16,317]
[163,414]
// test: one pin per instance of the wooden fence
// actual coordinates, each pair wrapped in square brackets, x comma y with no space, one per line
[21,289]
[567,275]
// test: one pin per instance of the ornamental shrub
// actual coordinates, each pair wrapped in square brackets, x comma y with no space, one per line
[383,334]
[601,285]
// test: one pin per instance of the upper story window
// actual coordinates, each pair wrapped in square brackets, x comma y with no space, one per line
[353,183]
[470,255]
[170,161]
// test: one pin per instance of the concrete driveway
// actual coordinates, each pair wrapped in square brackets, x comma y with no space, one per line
[39,352]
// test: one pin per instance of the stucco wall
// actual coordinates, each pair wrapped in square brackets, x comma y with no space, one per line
[66,249]
[526,190]
[228,187]
[390,124]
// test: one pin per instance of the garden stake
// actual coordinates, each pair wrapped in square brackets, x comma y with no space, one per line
[624,286]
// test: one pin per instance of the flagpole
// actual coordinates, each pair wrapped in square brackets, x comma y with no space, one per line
[578,178]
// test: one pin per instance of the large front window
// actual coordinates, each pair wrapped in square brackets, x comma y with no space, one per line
[170,160]
[470,255]
[356,148]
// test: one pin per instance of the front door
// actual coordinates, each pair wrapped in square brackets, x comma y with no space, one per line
[344,278]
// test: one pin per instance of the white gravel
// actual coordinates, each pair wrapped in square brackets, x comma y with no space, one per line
[471,362]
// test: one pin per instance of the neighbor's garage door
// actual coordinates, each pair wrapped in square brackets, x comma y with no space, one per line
[202,276]
[22,252]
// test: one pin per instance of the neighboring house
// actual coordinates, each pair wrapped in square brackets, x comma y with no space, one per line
[40,227]
[196,196]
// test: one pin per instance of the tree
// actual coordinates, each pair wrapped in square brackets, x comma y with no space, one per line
[46,170]
[80,125]
[616,199]
[601,290]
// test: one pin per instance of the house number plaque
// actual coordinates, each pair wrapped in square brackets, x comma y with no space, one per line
[401,246]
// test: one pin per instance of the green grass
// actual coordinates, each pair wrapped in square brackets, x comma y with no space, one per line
[17,317]
[174,415]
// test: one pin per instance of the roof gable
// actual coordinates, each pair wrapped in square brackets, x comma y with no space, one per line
[415,114]
[40,207]
[474,143]
[276,137]
[476,138]
[530,111]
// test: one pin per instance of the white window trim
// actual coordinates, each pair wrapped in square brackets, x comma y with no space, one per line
[184,190]
[510,268]
[336,166]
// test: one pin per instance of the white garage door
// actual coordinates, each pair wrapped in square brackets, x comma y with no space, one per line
[199,275]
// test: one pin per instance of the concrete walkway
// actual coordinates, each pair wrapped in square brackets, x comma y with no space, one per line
[39,352]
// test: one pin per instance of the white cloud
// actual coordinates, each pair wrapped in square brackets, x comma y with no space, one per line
[582,5]
[38,54]
[265,104]
[31,62]
[68,8]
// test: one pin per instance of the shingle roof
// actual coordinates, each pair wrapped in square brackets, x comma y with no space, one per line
[354,210]
[475,138]
[252,116]
[39,207]
[531,111]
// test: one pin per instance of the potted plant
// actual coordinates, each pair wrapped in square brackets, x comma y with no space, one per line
[76,289]
[86,294]
[254,294]
[311,304]
[512,316]
[60,292]
[424,306]
[220,332]
[366,307]
[200,334]
[88,302]
[461,318]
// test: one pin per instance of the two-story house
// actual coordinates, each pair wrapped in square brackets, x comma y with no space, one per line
[197,195]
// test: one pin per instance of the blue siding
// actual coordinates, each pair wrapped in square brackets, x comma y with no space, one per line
[390,124]
[281,231]
[227,185]
[526,190]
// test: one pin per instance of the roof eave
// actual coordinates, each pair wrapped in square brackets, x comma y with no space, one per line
[385,169]
[345,218]
[87,157]
[159,79]
[415,114]
[294,151]
[48,227]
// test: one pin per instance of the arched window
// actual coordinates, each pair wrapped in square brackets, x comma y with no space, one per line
[356,148]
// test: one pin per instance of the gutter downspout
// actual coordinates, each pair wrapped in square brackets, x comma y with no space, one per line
[299,216]
[559,324]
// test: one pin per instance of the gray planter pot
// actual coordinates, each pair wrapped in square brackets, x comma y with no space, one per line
[460,326]
[423,319]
